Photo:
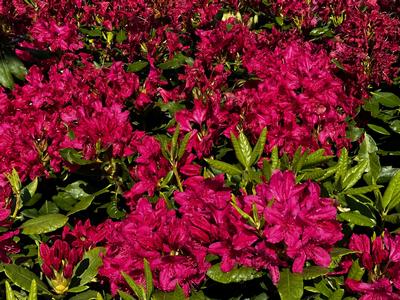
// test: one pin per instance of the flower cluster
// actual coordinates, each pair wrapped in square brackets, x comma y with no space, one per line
[381,260]
[294,225]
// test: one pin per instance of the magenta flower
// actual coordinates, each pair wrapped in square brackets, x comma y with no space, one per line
[301,220]
[164,240]
[381,289]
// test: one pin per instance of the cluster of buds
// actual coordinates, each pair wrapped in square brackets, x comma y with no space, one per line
[58,264]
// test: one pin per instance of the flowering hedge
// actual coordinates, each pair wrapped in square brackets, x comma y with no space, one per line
[199,149]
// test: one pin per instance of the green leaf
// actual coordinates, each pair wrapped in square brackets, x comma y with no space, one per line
[74,157]
[267,169]
[96,32]
[312,174]
[32,187]
[386,99]
[78,289]
[356,218]
[395,126]
[224,167]
[245,147]
[379,129]
[174,63]
[238,150]
[386,174]
[81,205]
[174,141]
[298,163]
[391,197]
[259,147]
[290,286]
[235,275]
[393,218]
[354,174]
[337,295]
[125,296]
[337,254]
[177,294]
[342,165]
[314,272]
[22,277]
[33,294]
[136,288]
[362,190]
[183,145]
[44,224]
[356,272]
[323,288]
[320,31]
[137,66]
[275,159]
[149,279]
[95,262]
[87,295]
[6,79]
[16,67]
[9,292]
[48,208]
[121,36]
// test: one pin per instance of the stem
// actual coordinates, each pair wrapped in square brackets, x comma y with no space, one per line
[178,179]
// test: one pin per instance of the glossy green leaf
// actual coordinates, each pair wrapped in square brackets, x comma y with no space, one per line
[362,190]
[356,218]
[78,289]
[9,292]
[74,157]
[136,288]
[177,294]
[137,66]
[48,208]
[86,295]
[342,165]
[33,294]
[275,158]
[391,197]
[378,129]
[149,279]
[314,272]
[238,150]
[23,277]
[385,98]
[354,174]
[174,141]
[125,296]
[183,145]
[174,63]
[356,272]
[323,288]
[224,167]
[16,67]
[86,201]
[239,274]
[259,147]
[121,36]
[6,78]
[246,149]
[44,224]
[95,262]
[290,286]
[337,295]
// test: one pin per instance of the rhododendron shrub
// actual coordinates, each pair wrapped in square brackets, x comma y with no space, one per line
[199,149]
